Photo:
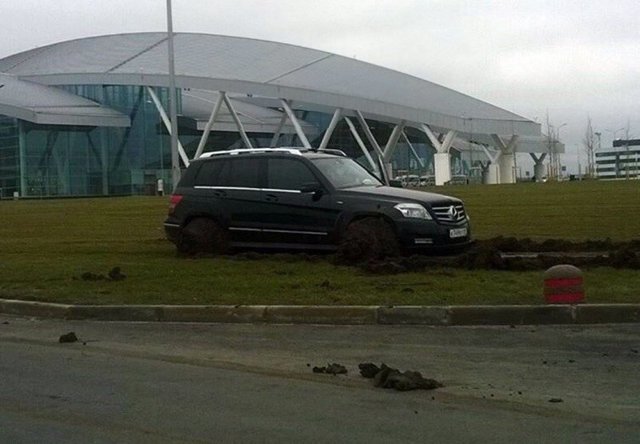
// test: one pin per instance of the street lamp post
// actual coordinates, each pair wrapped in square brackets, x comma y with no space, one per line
[558,166]
[173,109]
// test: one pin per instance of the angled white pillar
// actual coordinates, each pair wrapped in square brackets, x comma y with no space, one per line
[337,115]
[391,146]
[392,143]
[539,169]
[167,124]
[376,146]
[361,144]
[236,119]
[367,132]
[506,161]
[296,124]
[210,122]
[413,150]
[442,158]
[278,131]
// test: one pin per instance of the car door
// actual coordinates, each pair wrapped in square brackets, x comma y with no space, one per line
[231,190]
[300,209]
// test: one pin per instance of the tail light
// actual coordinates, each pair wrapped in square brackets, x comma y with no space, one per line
[174,201]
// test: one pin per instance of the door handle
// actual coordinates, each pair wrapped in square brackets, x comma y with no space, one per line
[271,198]
[220,193]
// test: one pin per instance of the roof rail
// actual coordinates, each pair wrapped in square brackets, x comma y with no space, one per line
[331,151]
[291,150]
[252,151]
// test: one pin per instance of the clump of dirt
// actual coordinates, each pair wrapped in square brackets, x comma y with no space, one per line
[482,257]
[331,369]
[247,256]
[389,266]
[502,254]
[89,276]
[512,245]
[392,378]
[367,239]
[68,338]
[625,257]
[115,274]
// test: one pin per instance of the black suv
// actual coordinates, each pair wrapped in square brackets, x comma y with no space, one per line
[306,199]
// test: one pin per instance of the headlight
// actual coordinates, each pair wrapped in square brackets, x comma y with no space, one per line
[413,210]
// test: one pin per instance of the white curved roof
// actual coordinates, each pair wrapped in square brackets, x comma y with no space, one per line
[256,67]
[47,105]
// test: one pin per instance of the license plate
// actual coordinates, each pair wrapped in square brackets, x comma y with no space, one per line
[457,232]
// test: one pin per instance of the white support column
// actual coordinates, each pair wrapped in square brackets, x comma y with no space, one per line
[337,115]
[361,144]
[442,167]
[506,162]
[484,167]
[539,169]
[296,124]
[278,131]
[492,174]
[207,128]
[167,124]
[442,158]
[236,119]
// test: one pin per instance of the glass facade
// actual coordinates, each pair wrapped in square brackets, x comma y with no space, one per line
[57,160]
[9,157]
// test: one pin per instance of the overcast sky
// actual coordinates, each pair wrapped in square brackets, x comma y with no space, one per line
[565,58]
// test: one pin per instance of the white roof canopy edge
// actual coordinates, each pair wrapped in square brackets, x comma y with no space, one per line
[375,109]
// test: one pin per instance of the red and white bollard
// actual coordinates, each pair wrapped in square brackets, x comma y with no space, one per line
[563,284]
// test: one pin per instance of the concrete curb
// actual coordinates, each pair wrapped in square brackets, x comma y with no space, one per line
[335,315]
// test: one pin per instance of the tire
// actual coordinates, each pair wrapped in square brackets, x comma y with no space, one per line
[368,239]
[203,235]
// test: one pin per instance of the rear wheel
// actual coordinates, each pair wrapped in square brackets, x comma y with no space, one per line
[368,239]
[203,235]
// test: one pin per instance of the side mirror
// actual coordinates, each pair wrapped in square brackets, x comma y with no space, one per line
[313,188]
[396,183]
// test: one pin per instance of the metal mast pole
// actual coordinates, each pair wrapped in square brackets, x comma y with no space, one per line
[173,109]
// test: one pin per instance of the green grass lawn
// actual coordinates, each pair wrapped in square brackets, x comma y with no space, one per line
[46,245]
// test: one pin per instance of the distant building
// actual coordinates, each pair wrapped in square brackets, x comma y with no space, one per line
[622,161]
[87,117]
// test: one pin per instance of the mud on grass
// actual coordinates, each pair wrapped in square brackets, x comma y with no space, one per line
[490,254]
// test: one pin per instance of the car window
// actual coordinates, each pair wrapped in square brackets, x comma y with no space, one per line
[343,172]
[288,174]
[242,173]
[209,173]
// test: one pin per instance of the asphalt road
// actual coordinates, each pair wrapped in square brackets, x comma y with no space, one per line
[127,382]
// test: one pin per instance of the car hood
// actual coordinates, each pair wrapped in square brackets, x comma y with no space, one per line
[401,194]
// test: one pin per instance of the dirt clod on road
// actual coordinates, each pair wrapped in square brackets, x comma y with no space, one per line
[68,338]
[331,369]
[392,378]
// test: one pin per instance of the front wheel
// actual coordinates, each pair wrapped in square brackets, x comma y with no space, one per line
[203,235]
[368,239]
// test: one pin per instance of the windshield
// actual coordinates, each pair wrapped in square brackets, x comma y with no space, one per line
[343,172]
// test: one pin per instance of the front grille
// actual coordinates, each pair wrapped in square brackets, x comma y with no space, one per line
[449,214]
